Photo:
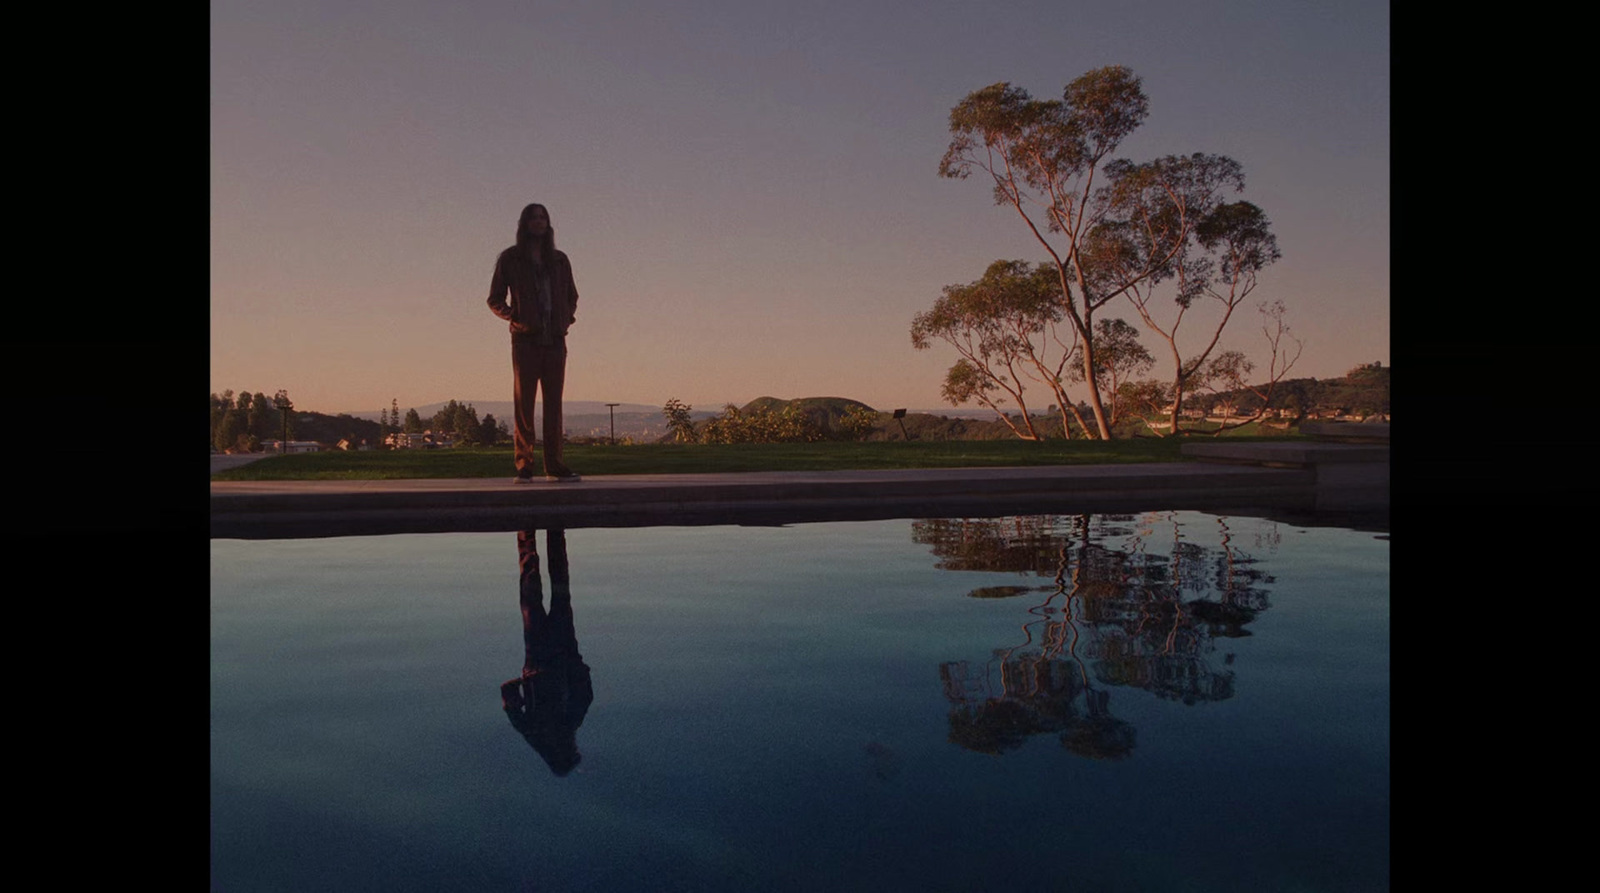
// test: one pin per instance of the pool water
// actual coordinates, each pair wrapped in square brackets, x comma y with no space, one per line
[1160,701]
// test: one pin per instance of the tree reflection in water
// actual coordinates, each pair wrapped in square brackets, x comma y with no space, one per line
[1117,613]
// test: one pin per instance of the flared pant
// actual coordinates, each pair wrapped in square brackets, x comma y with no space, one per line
[540,371]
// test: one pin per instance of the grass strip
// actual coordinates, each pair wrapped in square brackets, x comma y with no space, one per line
[492,462]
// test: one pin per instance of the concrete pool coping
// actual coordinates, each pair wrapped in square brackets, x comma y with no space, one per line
[1305,477]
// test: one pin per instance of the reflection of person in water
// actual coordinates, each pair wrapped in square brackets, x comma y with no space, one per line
[548,701]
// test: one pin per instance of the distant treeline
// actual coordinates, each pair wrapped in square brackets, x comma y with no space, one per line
[248,421]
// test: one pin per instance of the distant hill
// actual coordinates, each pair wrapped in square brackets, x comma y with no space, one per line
[331,429]
[501,409]
[582,418]
[644,423]
[1363,392]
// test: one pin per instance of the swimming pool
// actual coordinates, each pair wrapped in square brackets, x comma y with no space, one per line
[1164,700]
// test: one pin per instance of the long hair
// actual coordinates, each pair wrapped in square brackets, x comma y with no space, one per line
[525,238]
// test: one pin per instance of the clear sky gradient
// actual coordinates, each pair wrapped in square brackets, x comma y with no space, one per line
[747,189]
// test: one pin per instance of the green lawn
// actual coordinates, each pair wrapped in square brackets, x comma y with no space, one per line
[493,462]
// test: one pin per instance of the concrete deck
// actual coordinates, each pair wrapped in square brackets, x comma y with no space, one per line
[1351,470]
[273,509]
[1341,475]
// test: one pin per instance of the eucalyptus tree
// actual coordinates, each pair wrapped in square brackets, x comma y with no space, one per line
[1217,265]
[1002,326]
[1113,229]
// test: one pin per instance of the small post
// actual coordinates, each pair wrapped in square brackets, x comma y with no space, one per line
[612,407]
[899,415]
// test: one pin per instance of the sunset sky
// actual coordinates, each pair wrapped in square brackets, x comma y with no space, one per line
[748,190]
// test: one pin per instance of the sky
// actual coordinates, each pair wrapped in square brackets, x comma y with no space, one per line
[748,190]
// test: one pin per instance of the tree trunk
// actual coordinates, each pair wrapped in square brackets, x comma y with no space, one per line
[1094,390]
[1027,420]
[1177,403]
[1073,408]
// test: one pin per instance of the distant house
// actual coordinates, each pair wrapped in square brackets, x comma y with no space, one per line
[294,446]
[427,440]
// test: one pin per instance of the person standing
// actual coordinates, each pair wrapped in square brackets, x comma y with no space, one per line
[533,290]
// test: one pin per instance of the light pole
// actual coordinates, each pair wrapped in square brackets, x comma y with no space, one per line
[612,408]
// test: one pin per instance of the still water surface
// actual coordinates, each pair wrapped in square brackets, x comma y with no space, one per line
[1161,701]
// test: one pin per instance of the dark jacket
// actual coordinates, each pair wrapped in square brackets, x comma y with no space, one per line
[513,293]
